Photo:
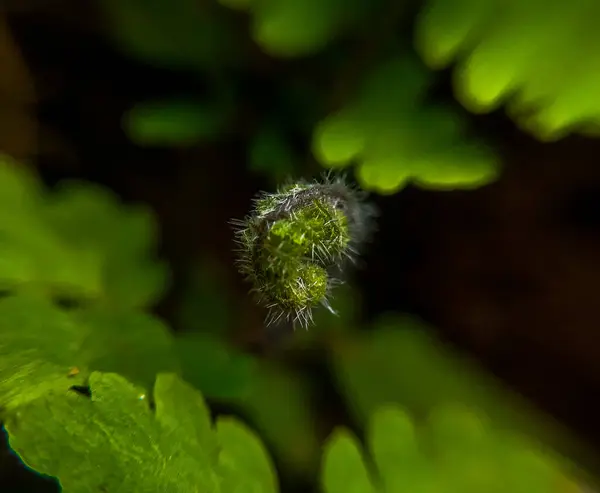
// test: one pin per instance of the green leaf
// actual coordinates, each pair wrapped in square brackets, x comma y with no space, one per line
[91,218]
[339,138]
[175,122]
[400,362]
[180,35]
[393,441]
[38,348]
[32,256]
[43,348]
[278,404]
[213,367]
[77,243]
[133,344]
[519,54]
[182,412]
[395,138]
[114,442]
[343,468]
[243,462]
[406,459]
[287,28]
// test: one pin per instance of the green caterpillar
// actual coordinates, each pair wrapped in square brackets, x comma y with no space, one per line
[296,243]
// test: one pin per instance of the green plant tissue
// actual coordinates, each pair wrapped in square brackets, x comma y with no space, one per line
[44,349]
[77,242]
[114,442]
[438,454]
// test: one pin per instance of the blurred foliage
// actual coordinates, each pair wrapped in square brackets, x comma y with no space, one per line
[44,349]
[77,243]
[114,442]
[392,133]
[215,367]
[206,304]
[538,57]
[396,138]
[186,34]
[287,28]
[400,361]
[453,451]
[80,245]
[174,123]
[280,407]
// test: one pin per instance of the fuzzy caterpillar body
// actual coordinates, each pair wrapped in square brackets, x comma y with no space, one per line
[296,243]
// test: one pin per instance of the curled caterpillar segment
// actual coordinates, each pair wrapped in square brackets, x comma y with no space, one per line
[295,244]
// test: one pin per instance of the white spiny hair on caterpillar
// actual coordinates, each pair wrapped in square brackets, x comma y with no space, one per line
[297,242]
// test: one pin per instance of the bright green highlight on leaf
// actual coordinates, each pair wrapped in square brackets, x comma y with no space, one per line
[521,54]
[454,450]
[174,122]
[41,345]
[396,139]
[114,442]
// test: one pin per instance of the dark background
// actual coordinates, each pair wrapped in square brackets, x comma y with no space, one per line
[509,272]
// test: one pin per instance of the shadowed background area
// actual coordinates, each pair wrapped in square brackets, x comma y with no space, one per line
[507,272]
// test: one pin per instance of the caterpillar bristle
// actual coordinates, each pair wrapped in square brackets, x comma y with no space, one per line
[296,243]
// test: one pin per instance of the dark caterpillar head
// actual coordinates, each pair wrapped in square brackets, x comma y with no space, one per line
[296,243]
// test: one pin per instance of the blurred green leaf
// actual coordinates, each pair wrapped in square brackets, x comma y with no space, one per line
[278,404]
[406,459]
[122,237]
[392,439]
[32,256]
[184,34]
[343,468]
[395,138]
[79,242]
[525,60]
[401,362]
[271,154]
[286,28]
[175,122]
[113,441]
[43,348]
[205,304]
[213,367]
[244,461]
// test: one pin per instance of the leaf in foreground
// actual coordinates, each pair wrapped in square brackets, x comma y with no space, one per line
[114,442]
[43,348]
